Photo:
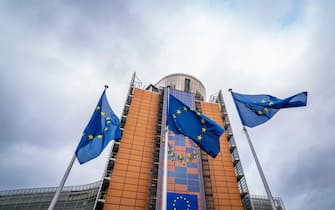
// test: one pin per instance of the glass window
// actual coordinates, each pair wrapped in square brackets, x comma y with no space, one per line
[187,85]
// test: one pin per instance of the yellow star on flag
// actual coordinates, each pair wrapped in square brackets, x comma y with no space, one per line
[263,100]
[178,111]
[102,113]
[82,134]
[203,121]
[198,113]
[90,137]
[259,112]
[270,103]
[185,108]
[266,109]
[106,129]
[199,137]
[98,108]
[100,136]
[203,129]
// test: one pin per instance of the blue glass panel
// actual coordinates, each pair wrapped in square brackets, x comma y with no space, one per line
[193,188]
[192,165]
[179,169]
[193,176]
[193,182]
[180,172]
[170,174]
[180,142]
[189,149]
[180,138]
[180,181]
[172,137]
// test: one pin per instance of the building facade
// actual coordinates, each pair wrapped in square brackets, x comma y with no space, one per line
[134,176]
[81,197]
[151,167]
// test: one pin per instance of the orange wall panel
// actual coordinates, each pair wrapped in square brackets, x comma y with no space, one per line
[224,183]
[131,176]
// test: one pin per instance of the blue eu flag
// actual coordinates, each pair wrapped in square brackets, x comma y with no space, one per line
[178,201]
[183,119]
[103,126]
[257,109]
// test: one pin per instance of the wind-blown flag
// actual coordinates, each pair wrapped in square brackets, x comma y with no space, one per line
[103,126]
[183,119]
[257,109]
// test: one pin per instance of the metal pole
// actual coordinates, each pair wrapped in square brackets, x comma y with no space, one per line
[260,170]
[165,174]
[164,203]
[61,185]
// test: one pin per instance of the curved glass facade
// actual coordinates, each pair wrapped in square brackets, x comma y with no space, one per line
[73,197]
[183,82]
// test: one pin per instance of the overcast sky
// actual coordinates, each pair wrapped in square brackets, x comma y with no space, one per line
[56,57]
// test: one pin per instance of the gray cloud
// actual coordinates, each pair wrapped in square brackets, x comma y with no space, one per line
[55,58]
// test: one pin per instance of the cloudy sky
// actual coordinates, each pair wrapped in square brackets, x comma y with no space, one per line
[56,57]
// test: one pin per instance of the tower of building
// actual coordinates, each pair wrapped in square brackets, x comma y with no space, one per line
[134,174]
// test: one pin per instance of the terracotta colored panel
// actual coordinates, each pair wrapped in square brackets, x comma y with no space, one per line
[225,202]
[134,159]
[115,192]
[130,180]
[115,200]
[120,173]
[180,188]
[236,208]
[117,186]
[130,187]
[143,182]
[134,168]
[143,189]
[108,206]
[124,207]
[192,170]
[233,190]
[236,203]
[140,202]
[221,168]
[219,178]
[129,194]
[118,179]
[171,180]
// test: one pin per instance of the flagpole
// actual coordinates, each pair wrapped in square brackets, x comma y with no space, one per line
[165,174]
[61,185]
[260,170]
[164,203]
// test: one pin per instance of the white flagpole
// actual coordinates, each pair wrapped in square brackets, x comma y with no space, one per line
[260,170]
[61,185]
[165,173]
